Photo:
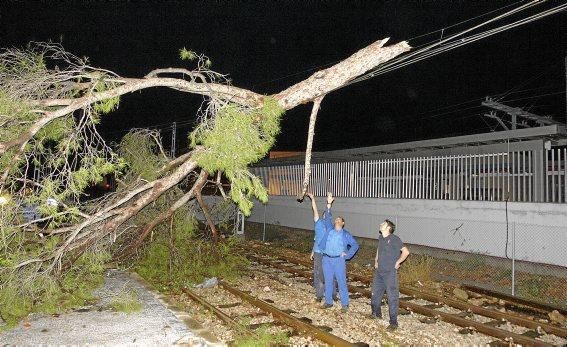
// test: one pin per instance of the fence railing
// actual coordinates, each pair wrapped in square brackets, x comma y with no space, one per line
[556,175]
[490,177]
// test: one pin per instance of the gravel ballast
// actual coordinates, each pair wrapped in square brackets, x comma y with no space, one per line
[155,324]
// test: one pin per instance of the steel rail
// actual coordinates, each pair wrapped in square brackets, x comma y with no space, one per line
[303,327]
[543,307]
[216,311]
[494,314]
[447,317]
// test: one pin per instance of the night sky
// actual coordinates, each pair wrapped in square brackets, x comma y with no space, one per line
[267,45]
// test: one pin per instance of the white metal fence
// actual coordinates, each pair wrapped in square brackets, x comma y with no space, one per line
[556,175]
[490,177]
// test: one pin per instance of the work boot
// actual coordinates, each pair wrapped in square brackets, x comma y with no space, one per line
[318,300]
[392,327]
[325,305]
[374,316]
[344,309]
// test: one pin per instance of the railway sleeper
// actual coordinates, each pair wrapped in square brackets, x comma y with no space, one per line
[448,317]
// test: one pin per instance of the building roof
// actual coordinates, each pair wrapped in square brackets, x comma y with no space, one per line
[555,131]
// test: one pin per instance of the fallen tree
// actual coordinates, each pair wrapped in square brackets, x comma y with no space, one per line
[51,152]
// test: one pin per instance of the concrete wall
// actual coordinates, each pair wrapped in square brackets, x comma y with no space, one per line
[539,230]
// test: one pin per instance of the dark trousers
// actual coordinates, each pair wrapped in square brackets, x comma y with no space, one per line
[386,282]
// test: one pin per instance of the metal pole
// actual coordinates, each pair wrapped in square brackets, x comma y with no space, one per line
[264,231]
[513,258]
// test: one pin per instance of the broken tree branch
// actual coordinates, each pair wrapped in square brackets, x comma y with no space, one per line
[309,147]
[207,213]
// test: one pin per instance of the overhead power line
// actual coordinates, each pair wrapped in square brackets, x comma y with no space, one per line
[454,41]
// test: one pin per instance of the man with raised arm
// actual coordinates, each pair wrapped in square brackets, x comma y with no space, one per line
[316,253]
[390,254]
[337,246]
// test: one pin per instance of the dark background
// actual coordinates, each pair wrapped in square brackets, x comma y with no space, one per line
[268,45]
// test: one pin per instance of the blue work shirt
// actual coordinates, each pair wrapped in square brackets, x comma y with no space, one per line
[335,243]
[319,232]
[339,239]
[320,226]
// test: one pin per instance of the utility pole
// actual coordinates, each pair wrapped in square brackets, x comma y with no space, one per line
[516,113]
[173,134]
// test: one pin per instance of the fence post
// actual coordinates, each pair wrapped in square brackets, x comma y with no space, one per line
[264,229]
[513,258]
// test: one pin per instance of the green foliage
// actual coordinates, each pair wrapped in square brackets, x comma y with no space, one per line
[237,138]
[533,287]
[15,115]
[178,257]
[262,337]
[55,131]
[107,105]
[127,301]
[186,54]
[23,291]
[140,152]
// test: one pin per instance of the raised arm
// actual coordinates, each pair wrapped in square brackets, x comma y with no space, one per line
[328,217]
[313,207]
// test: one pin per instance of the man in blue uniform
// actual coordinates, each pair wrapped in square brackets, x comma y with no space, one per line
[390,254]
[338,246]
[317,254]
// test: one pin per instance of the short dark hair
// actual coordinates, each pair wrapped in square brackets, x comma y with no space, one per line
[391,225]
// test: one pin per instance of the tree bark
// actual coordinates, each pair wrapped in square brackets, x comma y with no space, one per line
[338,75]
[309,147]
[207,214]
[225,92]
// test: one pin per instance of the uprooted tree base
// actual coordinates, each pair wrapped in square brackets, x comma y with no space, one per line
[51,153]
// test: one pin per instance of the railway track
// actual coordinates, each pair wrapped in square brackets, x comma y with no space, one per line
[436,302]
[299,325]
[514,302]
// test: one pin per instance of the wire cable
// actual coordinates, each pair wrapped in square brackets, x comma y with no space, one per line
[430,50]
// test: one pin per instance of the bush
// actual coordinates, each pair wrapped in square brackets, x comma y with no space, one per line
[179,258]
[416,268]
[262,338]
[24,293]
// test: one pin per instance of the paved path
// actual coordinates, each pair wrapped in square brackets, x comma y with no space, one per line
[154,325]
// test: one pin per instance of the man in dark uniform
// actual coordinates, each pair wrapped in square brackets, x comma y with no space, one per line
[390,254]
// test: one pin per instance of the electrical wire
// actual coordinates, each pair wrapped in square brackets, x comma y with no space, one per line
[409,40]
[438,48]
[427,47]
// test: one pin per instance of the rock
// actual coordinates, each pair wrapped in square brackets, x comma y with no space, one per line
[208,283]
[460,294]
[556,317]
[266,289]
[477,302]
[492,300]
